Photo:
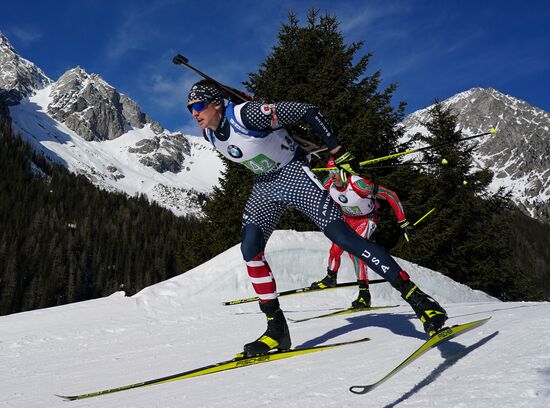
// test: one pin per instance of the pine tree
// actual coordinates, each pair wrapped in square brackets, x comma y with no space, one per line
[469,237]
[312,64]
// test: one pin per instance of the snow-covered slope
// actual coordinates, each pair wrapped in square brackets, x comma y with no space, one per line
[179,324]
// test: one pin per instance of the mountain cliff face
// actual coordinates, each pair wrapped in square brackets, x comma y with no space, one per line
[94,109]
[19,78]
[519,154]
[85,124]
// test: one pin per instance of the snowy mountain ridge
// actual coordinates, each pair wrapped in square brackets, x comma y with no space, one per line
[174,169]
[19,78]
[519,154]
[85,124]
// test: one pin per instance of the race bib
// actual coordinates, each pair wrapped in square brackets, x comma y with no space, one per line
[260,164]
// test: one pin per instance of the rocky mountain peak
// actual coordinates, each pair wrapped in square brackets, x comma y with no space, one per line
[95,110]
[19,78]
[519,154]
[5,43]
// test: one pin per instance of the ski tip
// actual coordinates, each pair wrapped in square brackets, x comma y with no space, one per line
[476,322]
[493,131]
[485,319]
[360,340]
[66,397]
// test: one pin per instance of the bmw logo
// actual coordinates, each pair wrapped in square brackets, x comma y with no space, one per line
[234,151]
[342,199]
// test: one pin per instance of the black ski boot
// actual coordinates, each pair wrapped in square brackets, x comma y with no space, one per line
[363,300]
[276,336]
[430,313]
[328,281]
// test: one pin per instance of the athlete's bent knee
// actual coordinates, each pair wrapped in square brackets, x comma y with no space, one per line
[253,242]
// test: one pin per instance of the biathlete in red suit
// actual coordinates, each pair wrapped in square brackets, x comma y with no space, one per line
[357,198]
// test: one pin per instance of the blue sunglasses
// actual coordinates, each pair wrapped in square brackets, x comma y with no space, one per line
[197,106]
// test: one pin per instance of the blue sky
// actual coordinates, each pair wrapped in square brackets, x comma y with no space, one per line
[431,49]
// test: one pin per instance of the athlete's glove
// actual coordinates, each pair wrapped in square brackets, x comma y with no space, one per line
[407,229]
[347,162]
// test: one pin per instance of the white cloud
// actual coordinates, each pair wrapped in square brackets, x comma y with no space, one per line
[368,15]
[137,30]
[167,92]
[24,35]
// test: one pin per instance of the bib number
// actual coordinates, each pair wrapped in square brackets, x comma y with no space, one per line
[354,211]
[260,164]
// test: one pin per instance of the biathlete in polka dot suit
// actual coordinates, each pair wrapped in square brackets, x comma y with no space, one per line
[253,134]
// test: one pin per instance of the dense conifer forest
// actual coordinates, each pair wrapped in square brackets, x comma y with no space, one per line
[64,240]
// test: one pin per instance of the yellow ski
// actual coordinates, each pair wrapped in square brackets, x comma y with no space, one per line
[217,367]
[442,335]
[298,291]
[343,311]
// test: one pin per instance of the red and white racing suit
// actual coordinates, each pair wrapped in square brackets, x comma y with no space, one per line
[357,199]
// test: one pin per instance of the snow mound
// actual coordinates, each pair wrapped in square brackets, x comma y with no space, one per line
[296,259]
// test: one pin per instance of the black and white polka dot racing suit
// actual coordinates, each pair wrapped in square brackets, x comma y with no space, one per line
[291,185]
